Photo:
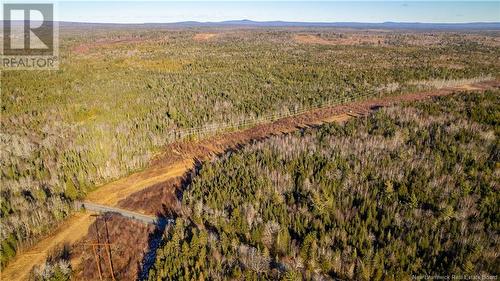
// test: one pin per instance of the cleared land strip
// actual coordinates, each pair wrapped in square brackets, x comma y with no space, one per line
[69,232]
[107,209]
[76,226]
[211,129]
[179,158]
[110,194]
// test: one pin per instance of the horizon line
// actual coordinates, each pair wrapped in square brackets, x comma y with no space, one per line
[243,21]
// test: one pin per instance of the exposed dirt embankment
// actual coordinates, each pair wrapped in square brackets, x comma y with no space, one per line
[156,190]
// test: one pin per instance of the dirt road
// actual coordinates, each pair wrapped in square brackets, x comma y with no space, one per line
[89,206]
[77,225]
[112,193]
[179,158]
[69,232]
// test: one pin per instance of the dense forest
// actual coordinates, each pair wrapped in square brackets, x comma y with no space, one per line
[121,94]
[409,190]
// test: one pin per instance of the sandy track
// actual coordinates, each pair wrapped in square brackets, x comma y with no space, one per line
[76,226]
[112,193]
[72,230]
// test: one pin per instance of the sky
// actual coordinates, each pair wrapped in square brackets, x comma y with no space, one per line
[299,11]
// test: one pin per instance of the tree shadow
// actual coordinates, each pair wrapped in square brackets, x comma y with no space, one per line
[154,243]
[165,217]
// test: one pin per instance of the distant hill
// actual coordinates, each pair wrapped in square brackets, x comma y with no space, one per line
[250,23]
[384,25]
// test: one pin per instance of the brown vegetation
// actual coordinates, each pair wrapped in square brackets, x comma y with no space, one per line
[204,36]
[129,241]
[341,40]
[157,199]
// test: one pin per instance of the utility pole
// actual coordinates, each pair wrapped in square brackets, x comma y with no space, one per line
[96,244]
[110,260]
[97,260]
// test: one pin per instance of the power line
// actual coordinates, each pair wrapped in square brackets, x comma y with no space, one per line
[96,248]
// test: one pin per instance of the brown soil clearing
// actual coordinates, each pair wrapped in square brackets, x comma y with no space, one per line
[351,39]
[204,36]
